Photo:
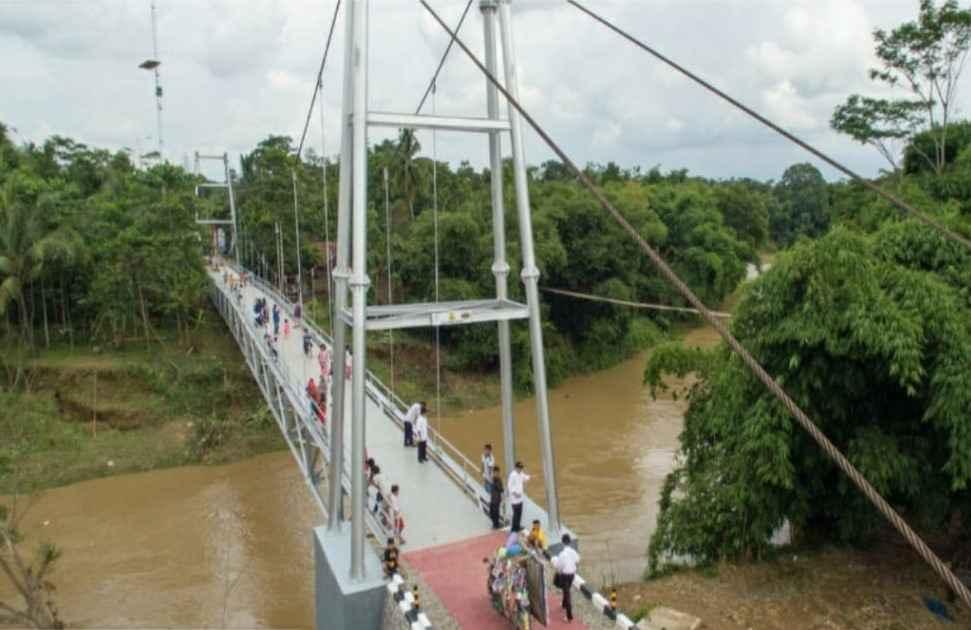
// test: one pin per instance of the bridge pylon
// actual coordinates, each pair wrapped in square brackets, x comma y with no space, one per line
[351,279]
[227,183]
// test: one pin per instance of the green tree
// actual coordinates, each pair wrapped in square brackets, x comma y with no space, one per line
[27,243]
[803,208]
[924,57]
[404,172]
[745,209]
[872,341]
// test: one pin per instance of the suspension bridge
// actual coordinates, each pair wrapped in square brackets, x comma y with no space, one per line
[442,501]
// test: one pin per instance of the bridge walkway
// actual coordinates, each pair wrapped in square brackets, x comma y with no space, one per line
[435,509]
[447,530]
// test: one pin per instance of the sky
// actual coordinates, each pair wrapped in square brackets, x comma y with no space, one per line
[234,72]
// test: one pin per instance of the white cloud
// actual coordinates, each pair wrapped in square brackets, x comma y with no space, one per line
[235,73]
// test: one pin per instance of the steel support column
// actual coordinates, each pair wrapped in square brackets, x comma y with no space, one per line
[341,274]
[359,282]
[232,205]
[530,272]
[500,268]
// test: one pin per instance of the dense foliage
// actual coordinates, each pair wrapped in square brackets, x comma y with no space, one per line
[703,227]
[869,329]
[93,244]
[89,243]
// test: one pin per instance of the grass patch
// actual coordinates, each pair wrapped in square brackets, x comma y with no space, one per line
[93,411]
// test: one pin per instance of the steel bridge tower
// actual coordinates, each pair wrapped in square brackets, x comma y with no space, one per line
[350,274]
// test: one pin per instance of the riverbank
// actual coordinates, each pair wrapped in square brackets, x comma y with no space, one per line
[94,411]
[881,588]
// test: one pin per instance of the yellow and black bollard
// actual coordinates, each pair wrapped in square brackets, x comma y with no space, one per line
[613,599]
[414,592]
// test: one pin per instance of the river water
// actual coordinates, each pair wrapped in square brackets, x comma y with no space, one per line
[229,546]
[614,445]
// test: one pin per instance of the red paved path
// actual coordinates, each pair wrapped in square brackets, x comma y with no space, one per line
[458,576]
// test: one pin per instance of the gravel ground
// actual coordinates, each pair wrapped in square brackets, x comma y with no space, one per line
[583,609]
[433,607]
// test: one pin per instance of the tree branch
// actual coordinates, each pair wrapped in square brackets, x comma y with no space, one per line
[4,564]
[16,614]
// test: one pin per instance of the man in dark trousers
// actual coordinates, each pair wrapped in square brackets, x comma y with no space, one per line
[517,492]
[410,417]
[421,435]
[495,497]
[565,563]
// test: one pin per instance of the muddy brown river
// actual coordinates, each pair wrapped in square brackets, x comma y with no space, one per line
[229,546]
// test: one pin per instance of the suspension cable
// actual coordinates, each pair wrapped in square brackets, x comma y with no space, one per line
[296,227]
[897,201]
[438,337]
[387,238]
[320,75]
[323,168]
[654,307]
[756,368]
[441,63]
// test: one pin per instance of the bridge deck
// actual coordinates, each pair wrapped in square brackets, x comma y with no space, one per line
[435,509]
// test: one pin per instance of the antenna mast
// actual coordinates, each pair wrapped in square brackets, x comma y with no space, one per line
[153,64]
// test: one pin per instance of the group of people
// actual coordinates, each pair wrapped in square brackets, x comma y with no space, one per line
[386,504]
[416,429]
[516,486]
[565,562]
[387,501]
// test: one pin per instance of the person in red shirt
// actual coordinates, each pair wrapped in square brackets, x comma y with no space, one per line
[314,395]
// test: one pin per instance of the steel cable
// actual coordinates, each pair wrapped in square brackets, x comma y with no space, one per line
[828,447]
[441,63]
[654,307]
[319,82]
[897,201]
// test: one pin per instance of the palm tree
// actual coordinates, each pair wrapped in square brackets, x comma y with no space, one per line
[405,176]
[27,243]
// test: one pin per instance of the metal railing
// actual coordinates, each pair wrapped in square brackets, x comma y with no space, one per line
[297,400]
[456,465]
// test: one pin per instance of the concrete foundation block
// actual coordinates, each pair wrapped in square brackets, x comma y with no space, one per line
[662,618]
[343,604]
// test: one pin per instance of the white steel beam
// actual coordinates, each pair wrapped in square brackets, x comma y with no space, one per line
[440,314]
[443,123]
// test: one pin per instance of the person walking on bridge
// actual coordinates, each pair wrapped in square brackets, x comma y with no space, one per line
[276,320]
[323,360]
[410,416]
[488,463]
[565,563]
[517,490]
[308,344]
[314,395]
[397,520]
[421,434]
[495,497]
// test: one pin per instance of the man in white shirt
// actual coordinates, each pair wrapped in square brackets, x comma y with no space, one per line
[565,563]
[377,482]
[488,464]
[517,489]
[410,417]
[421,434]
